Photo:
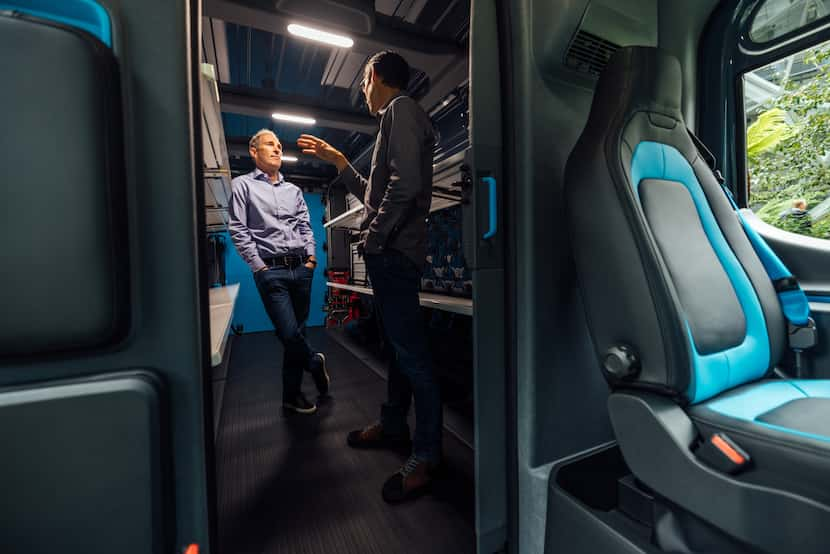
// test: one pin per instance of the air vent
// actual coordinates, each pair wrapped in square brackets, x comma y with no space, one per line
[589,53]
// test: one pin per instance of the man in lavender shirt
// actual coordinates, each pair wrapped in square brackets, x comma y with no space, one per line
[270,227]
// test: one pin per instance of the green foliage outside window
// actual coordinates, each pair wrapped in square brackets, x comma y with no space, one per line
[788,151]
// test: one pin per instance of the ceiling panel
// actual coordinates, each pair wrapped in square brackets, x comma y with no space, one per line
[262,67]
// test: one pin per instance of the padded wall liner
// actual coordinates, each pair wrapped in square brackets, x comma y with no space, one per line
[86,473]
[65,261]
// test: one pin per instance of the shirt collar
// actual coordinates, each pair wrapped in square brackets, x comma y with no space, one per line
[386,106]
[262,176]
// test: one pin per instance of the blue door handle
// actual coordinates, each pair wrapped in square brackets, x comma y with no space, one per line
[494,225]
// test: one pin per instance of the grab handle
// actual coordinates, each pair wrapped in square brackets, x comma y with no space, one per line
[493,203]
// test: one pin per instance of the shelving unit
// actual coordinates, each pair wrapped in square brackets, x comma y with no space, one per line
[347,220]
[221,301]
[444,302]
[216,172]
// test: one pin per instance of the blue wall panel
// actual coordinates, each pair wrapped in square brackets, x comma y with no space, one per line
[316,315]
[249,311]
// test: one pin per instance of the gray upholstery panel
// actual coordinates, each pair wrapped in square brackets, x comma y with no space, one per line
[807,415]
[736,237]
[85,473]
[64,263]
[613,298]
[780,459]
[618,267]
[709,302]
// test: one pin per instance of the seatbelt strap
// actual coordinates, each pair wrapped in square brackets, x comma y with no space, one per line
[793,301]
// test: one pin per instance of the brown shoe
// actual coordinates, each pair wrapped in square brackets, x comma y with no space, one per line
[410,482]
[372,436]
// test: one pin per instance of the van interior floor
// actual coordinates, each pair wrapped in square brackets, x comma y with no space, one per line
[290,484]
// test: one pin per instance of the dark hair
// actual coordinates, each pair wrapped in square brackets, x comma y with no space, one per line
[391,68]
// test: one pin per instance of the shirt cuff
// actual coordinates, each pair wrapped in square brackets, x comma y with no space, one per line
[309,250]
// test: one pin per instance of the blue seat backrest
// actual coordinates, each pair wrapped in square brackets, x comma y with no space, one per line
[664,264]
[717,364]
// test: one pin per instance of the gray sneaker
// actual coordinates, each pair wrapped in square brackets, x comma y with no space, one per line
[317,368]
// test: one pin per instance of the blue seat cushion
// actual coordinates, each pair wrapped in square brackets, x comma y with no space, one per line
[785,428]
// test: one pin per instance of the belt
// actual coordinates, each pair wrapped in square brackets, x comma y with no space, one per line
[288,260]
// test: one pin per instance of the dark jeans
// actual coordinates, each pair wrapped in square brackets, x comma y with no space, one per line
[395,280]
[286,293]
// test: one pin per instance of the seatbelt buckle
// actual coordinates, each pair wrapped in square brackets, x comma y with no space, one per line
[802,337]
[723,454]
[785,283]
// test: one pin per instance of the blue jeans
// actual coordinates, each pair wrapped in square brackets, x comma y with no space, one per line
[286,294]
[395,279]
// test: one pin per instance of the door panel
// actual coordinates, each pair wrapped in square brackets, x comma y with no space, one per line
[102,272]
[67,230]
[86,470]
[484,236]
[809,261]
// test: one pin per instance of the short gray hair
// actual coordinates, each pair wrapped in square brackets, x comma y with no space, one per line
[254,142]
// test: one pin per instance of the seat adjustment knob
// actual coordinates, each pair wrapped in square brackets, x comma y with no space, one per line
[621,361]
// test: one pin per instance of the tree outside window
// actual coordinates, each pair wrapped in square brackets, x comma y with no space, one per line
[788,142]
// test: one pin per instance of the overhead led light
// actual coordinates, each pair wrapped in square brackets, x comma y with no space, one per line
[320,36]
[289,158]
[294,118]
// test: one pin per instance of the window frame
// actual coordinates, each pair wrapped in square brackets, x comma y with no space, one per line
[796,33]
[760,60]
[725,56]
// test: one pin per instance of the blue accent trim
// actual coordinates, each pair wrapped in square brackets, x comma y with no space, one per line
[774,267]
[491,187]
[795,306]
[83,14]
[819,298]
[815,388]
[729,197]
[756,400]
[794,303]
[764,397]
[718,371]
[793,431]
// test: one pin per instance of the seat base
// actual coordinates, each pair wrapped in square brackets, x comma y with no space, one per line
[596,505]
[783,425]
[657,437]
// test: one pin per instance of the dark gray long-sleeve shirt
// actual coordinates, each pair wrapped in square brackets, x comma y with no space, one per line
[268,219]
[398,193]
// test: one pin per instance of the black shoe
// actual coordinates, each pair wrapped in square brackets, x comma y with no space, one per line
[299,404]
[372,436]
[317,368]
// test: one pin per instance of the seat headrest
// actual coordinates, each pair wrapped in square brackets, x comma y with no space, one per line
[636,78]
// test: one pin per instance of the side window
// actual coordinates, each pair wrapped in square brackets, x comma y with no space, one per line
[777,18]
[787,107]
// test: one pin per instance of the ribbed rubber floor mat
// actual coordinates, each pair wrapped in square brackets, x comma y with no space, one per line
[291,485]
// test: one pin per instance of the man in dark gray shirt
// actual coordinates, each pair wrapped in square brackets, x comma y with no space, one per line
[271,229]
[396,200]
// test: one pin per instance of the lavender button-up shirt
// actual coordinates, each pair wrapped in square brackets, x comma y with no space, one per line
[268,219]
